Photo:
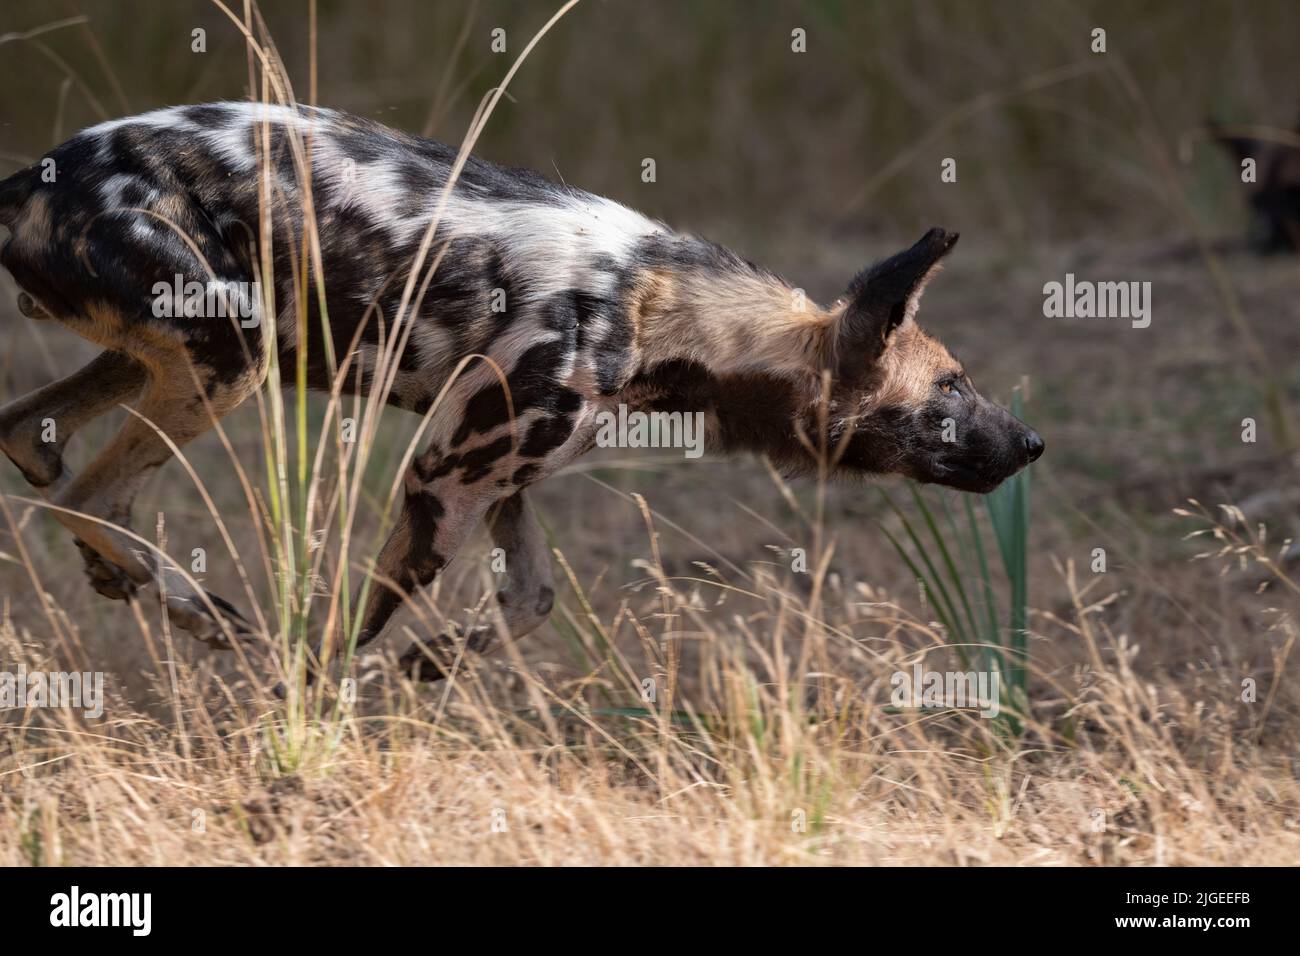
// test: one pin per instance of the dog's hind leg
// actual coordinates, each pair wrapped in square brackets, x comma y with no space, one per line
[35,429]
[173,406]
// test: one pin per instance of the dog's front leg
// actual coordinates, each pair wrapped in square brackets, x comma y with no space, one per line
[525,598]
[435,520]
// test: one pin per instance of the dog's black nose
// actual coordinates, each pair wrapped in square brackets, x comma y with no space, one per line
[1033,446]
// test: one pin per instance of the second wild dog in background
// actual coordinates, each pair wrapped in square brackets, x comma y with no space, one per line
[1273,187]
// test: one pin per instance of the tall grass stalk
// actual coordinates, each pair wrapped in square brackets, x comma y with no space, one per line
[313,479]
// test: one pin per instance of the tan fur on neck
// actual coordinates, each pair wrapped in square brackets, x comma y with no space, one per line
[736,322]
[729,323]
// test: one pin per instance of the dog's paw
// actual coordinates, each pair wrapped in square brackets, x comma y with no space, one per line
[432,661]
[105,577]
[192,613]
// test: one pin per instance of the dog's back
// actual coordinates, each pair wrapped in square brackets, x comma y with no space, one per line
[125,201]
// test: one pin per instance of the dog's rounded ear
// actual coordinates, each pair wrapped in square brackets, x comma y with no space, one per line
[1239,147]
[885,296]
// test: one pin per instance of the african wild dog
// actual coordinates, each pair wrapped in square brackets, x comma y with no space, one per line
[1274,193]
[596,306]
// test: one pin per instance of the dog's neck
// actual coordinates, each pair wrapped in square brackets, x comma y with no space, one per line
[706,306]
[718,335]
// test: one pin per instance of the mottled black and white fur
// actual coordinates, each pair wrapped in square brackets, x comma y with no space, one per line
[595,305]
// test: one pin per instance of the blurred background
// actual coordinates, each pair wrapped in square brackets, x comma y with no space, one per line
[815,163]
[753,141]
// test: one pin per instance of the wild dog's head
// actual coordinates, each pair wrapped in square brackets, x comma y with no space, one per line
[901,403]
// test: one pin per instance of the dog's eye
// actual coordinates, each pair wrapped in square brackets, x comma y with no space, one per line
[948,388]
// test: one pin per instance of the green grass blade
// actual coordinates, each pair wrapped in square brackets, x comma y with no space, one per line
[958,584]
[943,606]
[993,636]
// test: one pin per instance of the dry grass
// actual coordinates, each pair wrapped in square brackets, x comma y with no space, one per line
[770,742]
[778,749]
